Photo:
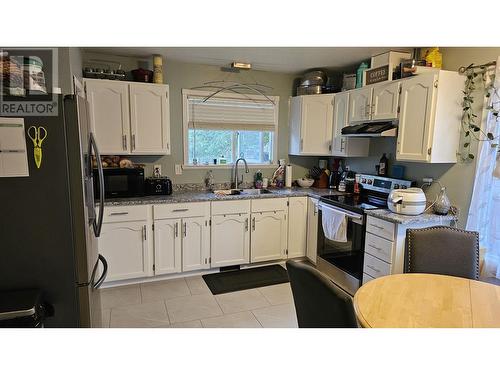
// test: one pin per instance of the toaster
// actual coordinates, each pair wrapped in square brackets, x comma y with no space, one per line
[158,186]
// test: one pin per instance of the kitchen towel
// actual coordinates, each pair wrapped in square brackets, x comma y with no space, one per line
[288,176]
[334,224]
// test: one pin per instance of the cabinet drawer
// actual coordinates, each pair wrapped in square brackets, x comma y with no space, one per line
[231,207]
[367,278]
[273,204]
[120,214]
[380,227]
[176,210]
[379,247]
[376,267]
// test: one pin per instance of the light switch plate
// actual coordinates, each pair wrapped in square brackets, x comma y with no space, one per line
[178,169]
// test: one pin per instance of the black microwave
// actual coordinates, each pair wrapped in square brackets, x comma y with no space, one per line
[120,182]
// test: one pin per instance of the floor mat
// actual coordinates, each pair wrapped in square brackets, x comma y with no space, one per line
[233,281]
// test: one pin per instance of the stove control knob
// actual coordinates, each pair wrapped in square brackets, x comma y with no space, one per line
[403,187]
[363,180]
[396,186]
[370,182]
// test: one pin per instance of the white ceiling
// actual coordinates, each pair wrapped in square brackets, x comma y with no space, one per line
[277,59]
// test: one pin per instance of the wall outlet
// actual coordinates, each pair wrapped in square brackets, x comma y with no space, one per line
[157,170]
[178,169]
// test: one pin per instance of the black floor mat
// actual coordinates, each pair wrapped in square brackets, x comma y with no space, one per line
[232,281]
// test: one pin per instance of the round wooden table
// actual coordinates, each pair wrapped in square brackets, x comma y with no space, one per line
[417,300]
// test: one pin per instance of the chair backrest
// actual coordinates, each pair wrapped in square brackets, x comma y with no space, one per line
[443,250]
[318,302]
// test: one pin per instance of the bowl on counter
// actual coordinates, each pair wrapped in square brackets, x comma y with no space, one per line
[305,182]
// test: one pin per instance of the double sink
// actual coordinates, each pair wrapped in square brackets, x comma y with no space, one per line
[243,192]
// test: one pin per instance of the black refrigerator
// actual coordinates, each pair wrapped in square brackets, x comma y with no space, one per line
[48,223]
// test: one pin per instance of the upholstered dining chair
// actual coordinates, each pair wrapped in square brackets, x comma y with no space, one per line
[319,303]
[442,250]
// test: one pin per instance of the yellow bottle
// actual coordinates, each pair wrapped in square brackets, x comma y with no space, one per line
[434,58]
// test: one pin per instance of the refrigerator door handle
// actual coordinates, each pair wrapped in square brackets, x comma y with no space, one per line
[97,224]
[99,282]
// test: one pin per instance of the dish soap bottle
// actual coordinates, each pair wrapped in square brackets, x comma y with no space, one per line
[382,171]
[359,74]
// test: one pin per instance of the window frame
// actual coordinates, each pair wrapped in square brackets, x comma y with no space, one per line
[188,93]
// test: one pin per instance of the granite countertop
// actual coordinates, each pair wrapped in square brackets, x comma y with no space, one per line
[207,196]
[429,217]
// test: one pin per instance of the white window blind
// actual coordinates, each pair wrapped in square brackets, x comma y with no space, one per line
[229,113]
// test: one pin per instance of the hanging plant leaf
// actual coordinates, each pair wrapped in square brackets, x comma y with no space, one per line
[471,156]
[476,129]
[493,145]
[466,144]
[490,136]
[467,133]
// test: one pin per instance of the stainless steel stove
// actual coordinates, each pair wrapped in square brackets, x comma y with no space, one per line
[343,261]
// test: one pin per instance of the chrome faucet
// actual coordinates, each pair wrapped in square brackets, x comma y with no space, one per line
[236,183]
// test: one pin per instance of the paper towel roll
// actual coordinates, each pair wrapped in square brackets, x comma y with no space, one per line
[288,176]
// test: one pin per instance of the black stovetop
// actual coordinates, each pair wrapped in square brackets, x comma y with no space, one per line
[356,202]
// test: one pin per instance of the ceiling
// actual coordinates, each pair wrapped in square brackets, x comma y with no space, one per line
[276,59]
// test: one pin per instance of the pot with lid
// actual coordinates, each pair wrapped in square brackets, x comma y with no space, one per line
[410,201]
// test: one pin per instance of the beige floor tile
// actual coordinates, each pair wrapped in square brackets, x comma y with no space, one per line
[106,314]
[144,315]
[163,290]
[279,316]
[243,319]
[277,294]
[120,296]
[197,285]
[244,300]
[191,324]
[185,309]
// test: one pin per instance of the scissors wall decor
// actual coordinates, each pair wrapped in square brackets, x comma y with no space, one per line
[37,135]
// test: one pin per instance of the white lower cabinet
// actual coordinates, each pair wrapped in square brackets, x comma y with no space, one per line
[125,247]
[268,241]
[312,229]
[195,244]
[168,252]
[230,239]
[297,227]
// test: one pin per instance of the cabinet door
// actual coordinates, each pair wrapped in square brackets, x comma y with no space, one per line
[109,115]
[312,229]
[295,123]
[168,251]
[149,119]
[340,113]
[360,105]
[317,124]
[230,240]
[297,227]
[125,247]
[385,101]
[268,238]
[195,244]
[415,120]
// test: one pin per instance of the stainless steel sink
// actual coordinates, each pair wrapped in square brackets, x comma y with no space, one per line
[255,191]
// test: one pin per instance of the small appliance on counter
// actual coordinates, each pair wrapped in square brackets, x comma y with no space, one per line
[410,201]
[120,182]
[158,186]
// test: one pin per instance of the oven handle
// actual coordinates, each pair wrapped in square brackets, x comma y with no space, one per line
[347,213]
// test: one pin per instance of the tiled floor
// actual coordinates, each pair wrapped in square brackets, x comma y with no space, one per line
[188,303]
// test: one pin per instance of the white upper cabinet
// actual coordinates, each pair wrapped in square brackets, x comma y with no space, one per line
[311,121]
[360,101]
[109,115]
[343,146]
[129,118]
[297,227]
[429,123]
[149,119]
[385,101]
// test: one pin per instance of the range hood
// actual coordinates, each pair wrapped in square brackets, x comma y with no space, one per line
[371,130]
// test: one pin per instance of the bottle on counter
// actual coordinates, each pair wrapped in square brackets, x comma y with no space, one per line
[258,179]
[333,182]
[382,169]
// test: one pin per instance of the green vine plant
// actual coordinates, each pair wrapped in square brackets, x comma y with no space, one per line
[470,128]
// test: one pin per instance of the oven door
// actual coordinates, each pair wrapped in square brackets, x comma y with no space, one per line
[342,261]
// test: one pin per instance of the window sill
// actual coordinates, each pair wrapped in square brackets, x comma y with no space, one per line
[228,166]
